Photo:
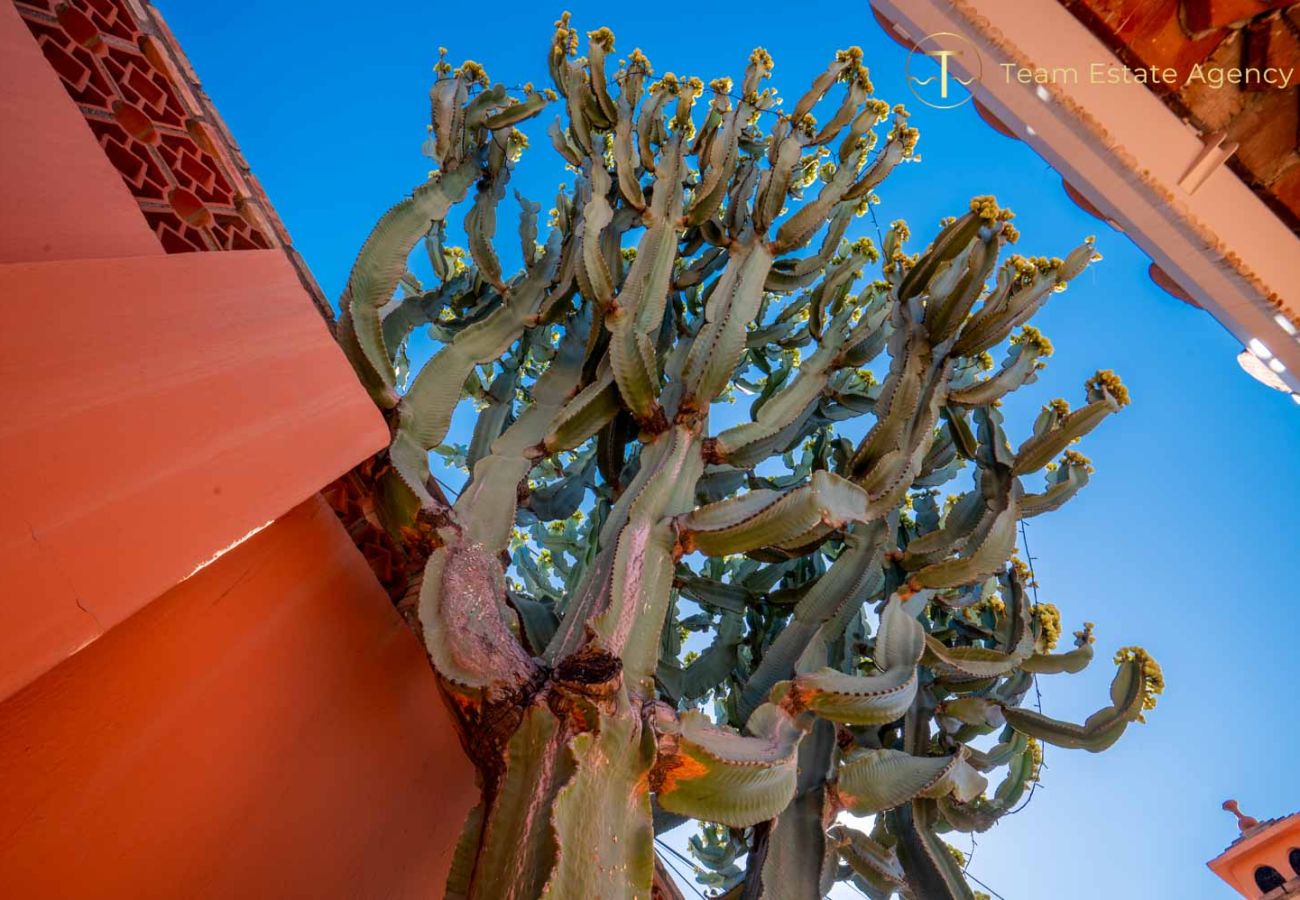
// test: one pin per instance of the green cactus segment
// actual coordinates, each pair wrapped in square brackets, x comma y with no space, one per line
[872,781]
[1063,484]
[866,699]
[463,611]
[487,506]
[379,266]
[607,795]
[1041,449]
[642,576]
[426,409]
[855,575]
[1134,689]
[481,220]
[932,871]
[798,865]
[1072,661]
[1022,288]
[714,664]
[718,775]
[800,861]
[518,847]
[1021,772]
[874,862]
[731,307]
[780,419]
[776,519]
[424,307]
[462,859]
[638,310]
[588,412]
[977,663]
[1020,368]
[983,555]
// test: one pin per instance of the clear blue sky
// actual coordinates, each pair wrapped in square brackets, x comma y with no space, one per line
[1182,542]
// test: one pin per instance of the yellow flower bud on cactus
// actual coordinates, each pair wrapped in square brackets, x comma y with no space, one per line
[1107,379]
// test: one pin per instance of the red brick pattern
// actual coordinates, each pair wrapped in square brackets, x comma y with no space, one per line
[166,153]
[1220,34]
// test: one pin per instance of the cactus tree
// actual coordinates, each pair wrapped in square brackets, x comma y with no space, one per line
[854,630]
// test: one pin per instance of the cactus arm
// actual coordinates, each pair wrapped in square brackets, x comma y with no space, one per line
[714,664]
[1072,661]
[597,215]
[900,143]
[641,582]
[425,412]
[1020,368]
[873,781]
[854,576]
[380,265]
[1039,449]
[625,159]
[719,166]
[486,507]
[799,229]
[481,220]
[731,307]
[584,415]
[789,274]
[973,663]
[866,699]
[778,420]
[774,187]
[464,616]
[931,870]
[798,859]
[1070,479]
[854,699]
[765,518]
[798,862]
[718,775]
[496,416]
[1133,690]
[638,310]
[423,308]
[515,113]
[1016,303]
[875,863]
[979,561]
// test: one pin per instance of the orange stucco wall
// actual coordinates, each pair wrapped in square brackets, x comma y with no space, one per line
[268,728]
[204,692]
[1272,846]
[153,410]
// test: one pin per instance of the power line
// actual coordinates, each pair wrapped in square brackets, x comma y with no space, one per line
[985,886]
[689,881]
[1038,694]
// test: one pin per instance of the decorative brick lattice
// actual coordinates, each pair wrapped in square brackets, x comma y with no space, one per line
[120,79]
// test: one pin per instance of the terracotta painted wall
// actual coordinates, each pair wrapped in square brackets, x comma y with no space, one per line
[153,410]
[204,692]
[268,728]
